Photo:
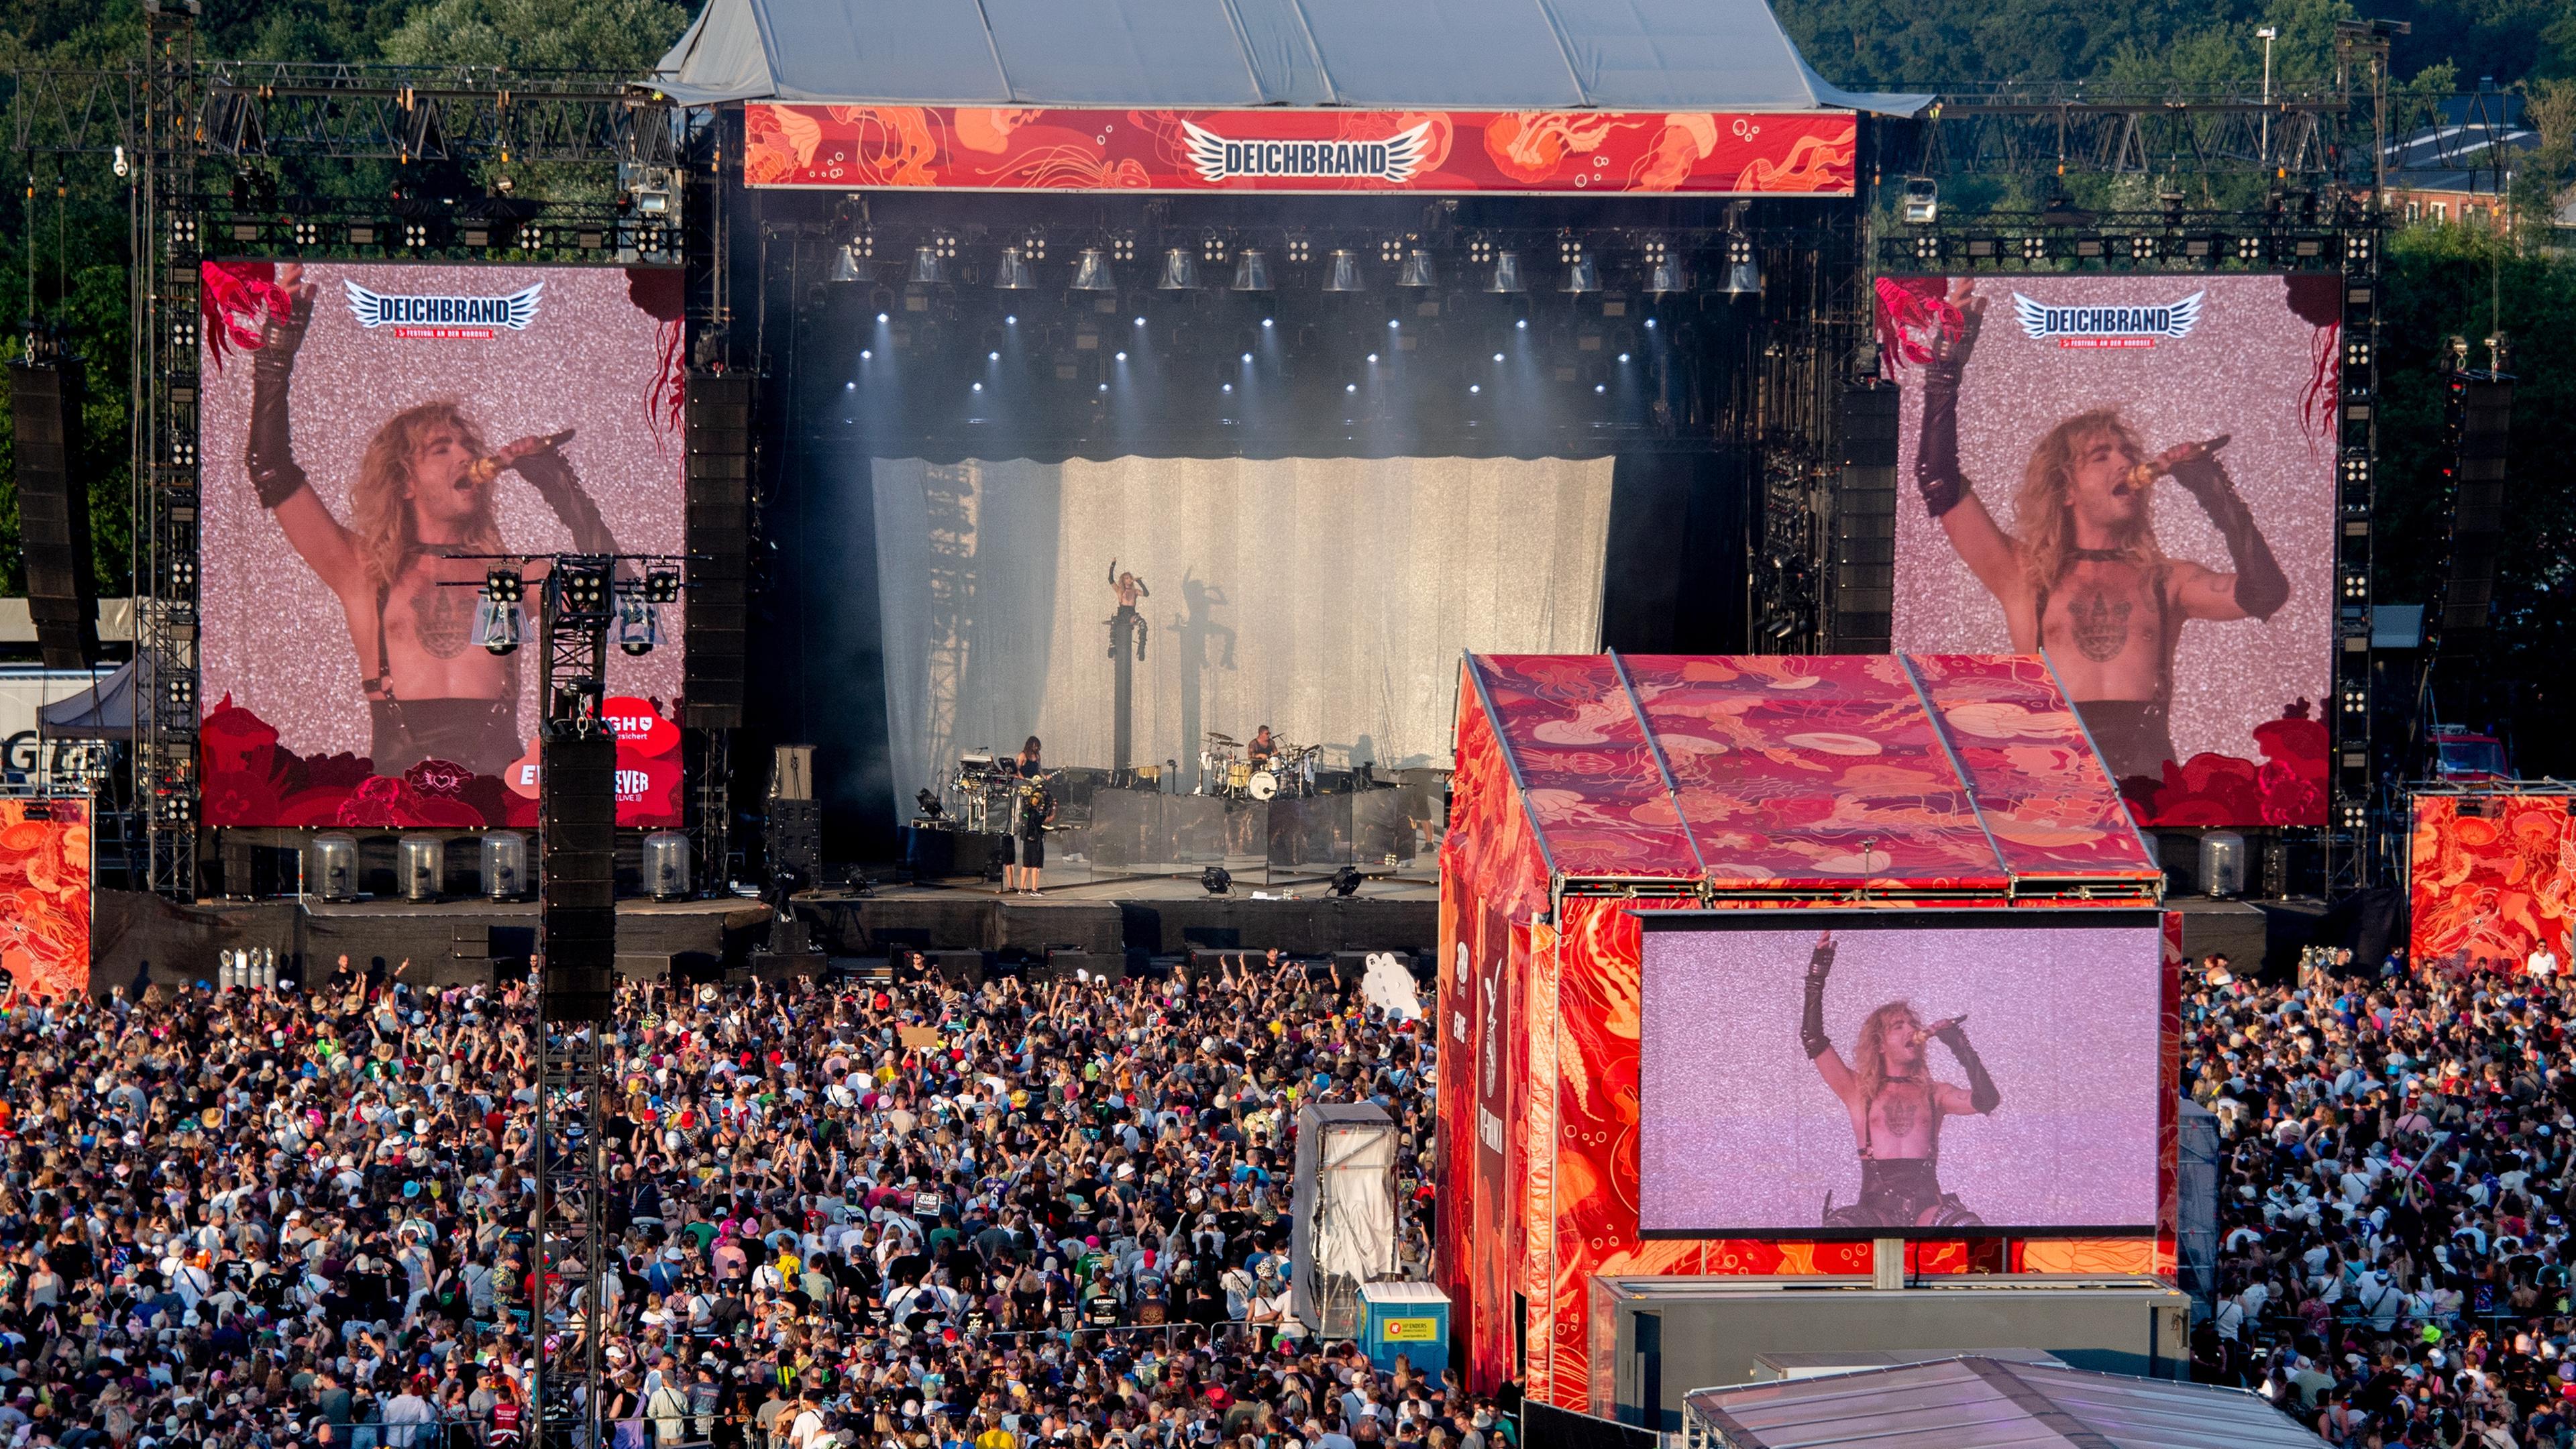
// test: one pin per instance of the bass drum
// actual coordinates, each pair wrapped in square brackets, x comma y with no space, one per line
[1263,786]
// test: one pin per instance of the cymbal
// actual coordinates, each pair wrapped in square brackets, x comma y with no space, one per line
[1223,739]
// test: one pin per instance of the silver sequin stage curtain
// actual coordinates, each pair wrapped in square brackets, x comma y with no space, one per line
[1326,597]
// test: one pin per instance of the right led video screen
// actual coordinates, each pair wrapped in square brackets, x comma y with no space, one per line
[1854,1074]
[2134,474]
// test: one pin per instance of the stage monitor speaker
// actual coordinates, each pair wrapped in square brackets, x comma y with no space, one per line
[1863,578]
[577,836]
[2480,423]
[959,968]
[53,517]
[719,544]
[1063,964]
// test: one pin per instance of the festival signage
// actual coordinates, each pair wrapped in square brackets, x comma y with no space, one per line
[960,148]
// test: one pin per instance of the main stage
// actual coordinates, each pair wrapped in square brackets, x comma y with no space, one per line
[143,940]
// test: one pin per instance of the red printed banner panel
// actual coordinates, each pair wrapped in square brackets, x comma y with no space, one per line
[962,148]
[45,896]
[2489,879]
[2041,791]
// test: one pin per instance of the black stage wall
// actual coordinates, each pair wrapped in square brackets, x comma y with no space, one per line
[1680,536]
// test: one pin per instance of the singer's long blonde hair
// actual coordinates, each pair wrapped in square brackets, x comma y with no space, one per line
[2043,511]
[380,503]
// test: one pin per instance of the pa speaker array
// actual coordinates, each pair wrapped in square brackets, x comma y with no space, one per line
[719,543]
[577,826]
[53,518]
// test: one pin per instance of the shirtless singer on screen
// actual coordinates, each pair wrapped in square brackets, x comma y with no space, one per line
[1896,1106]
[423,494]
[2082,574]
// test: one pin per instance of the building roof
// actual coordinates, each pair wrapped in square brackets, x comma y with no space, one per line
[1983,1403]
[1644,55]
[2473,139]
[1923,771]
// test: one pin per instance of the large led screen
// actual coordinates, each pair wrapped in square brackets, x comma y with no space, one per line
[368,429]
[1865,1075]
[2135,475]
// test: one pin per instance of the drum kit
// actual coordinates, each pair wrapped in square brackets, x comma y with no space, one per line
[986,792]
[1225,770]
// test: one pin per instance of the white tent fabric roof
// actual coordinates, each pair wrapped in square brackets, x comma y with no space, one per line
[1984,1403]
[1618,55]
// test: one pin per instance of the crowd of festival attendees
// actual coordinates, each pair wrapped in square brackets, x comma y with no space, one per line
[845,1216]
[2395,1188]
[870,1215]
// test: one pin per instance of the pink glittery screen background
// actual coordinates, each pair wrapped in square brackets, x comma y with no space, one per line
[2244,370]
[1739,1134]
[273,637]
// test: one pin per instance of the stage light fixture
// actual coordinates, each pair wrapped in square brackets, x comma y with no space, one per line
[1227,386]
[503,584]
[1583,274]
[848,269]
[1010,319]
[1350,387]
[1498,357]
[1600,387]
[1267,323]
[2356,354]
[1091,272]
[929,269]
[1480,250]
[2356,248]
[1372,357]
[2142,248]
[977,387]
[1212,249]
[1013,273]
[2354,814]
[1122,356]
[1252,271]
[1180,271]
[1122,248]
[1743,273]
[496,622]
[1215,880]
[1140,321]
[1475,387]
[2089,247]
[992,357]
[1522,325]
[1247,357]
[363,234]
[1346,881]
[1104,387]
[1927,249]
[1666,277]
[866,352]
[1507,274]
[1418,270]
[2249,249]
[1922,201]
[883,319]
[2034,249]
[1342,271]
[1300,251]
[639,625]
[1650,324]
[662,584]
[1623,357]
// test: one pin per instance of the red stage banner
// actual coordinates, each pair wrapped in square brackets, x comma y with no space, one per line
[2489,879]
[956,148]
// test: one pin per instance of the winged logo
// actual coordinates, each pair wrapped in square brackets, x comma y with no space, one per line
[1393,160]
[2041,321]
[377,309]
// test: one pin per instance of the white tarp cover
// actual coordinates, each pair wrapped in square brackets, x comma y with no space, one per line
[1328,598]
[1514,55]
[1984,1403]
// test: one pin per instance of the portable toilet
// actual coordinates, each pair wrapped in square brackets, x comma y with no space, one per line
[1407,1320]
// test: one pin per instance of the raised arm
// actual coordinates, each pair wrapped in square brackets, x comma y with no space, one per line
[546,469]
[1981,1096]
[269,457]
[1811,1026]
[1937,474]
[2257,589]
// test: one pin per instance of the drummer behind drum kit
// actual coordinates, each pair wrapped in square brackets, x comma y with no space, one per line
[986,792]
[1224,770]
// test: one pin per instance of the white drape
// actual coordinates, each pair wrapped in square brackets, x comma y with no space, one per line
[1329,598]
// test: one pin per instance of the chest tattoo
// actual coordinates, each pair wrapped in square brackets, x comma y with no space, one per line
[2101,624]
[443,619]
[1902,1108]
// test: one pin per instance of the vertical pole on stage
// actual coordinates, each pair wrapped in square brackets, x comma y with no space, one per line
[1887,1263]
[1122,649]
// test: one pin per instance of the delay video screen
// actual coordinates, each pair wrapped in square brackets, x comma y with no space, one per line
[376,437]
[1899,1074]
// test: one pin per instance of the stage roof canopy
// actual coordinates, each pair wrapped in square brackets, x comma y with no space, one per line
[1509,55]
[1750,772]
[1984,1403]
